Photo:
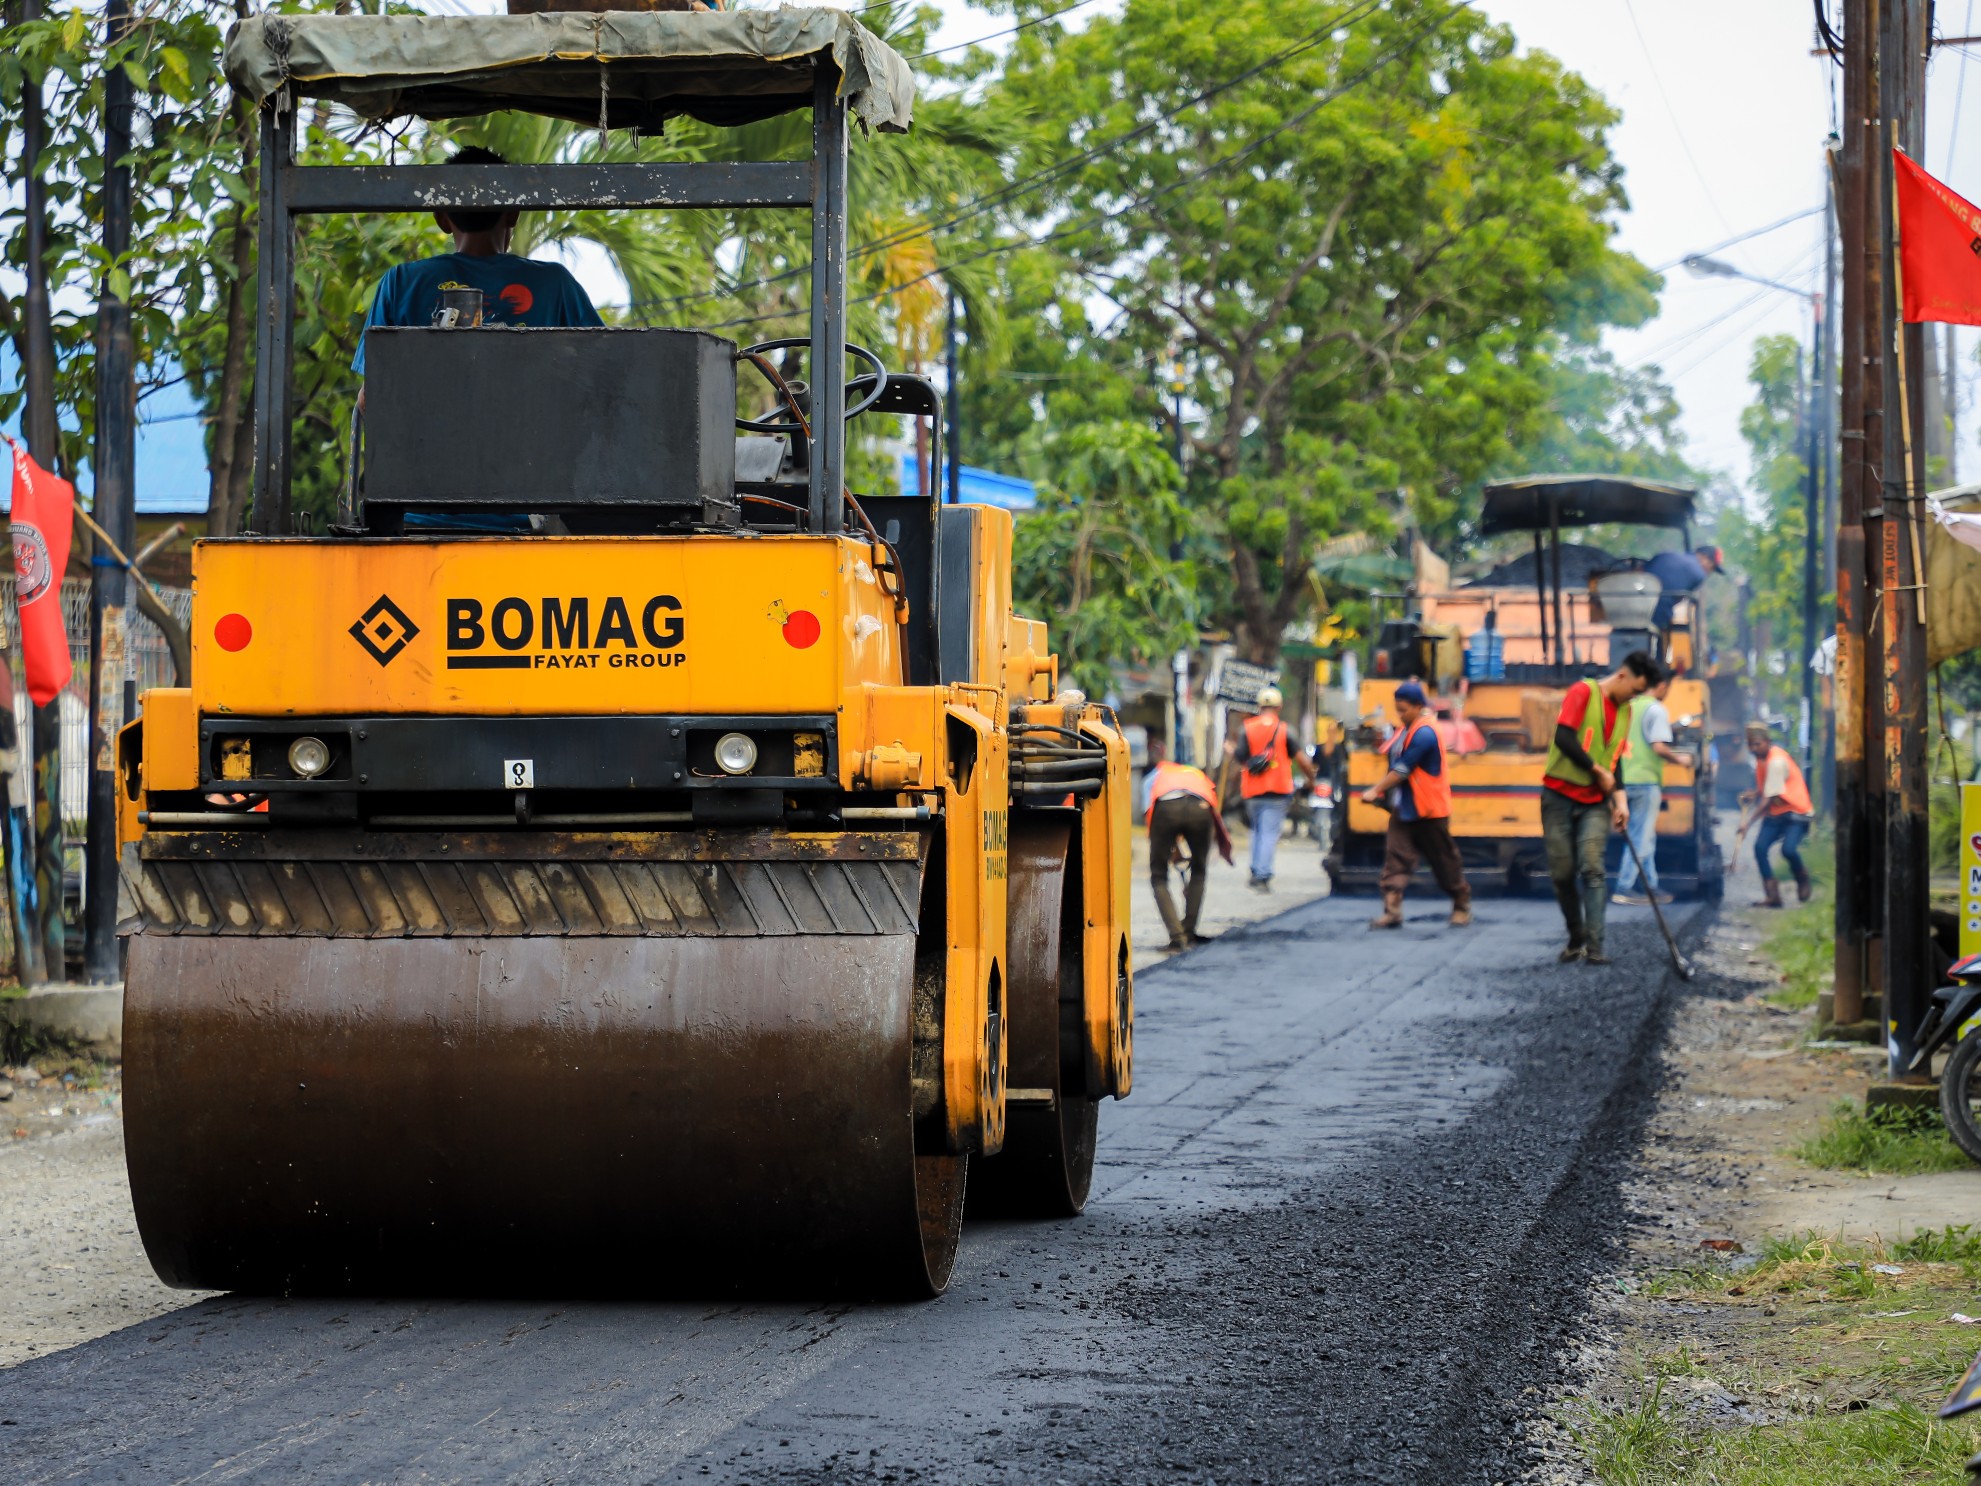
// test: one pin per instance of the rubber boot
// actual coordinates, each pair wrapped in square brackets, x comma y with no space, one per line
[1771,894]
[1392,915]
[1805,889]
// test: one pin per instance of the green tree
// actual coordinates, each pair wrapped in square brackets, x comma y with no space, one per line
[1094,558]
[1763,532]
[1362,231]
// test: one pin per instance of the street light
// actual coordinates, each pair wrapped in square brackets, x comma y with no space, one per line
[1700,266]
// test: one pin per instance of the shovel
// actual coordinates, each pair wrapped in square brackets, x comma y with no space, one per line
[1678,961]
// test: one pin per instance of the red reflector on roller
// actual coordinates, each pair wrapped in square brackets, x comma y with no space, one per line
[801,630]
[233,632]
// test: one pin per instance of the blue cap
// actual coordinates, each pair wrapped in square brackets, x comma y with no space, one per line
[1410,691]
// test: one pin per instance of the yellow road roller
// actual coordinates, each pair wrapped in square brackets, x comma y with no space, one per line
[614,857]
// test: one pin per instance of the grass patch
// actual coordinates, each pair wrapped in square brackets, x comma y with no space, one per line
[1886,1142]
[1653,1444]
[1801,940]
[1958,1243]
[1817,1367]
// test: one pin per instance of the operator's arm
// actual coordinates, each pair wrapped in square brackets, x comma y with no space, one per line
[1671,755]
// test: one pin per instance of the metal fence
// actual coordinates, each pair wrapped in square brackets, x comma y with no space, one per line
[148,655]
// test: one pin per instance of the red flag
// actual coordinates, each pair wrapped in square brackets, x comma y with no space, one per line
[1939,245]
[43,520]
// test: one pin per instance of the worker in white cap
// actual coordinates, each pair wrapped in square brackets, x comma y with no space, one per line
[1266,760]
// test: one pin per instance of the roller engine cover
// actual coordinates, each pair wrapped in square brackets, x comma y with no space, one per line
[581,423]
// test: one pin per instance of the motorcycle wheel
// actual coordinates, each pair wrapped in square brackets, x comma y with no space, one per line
[1960,1095]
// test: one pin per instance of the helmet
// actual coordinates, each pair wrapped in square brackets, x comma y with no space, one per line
[1269,696]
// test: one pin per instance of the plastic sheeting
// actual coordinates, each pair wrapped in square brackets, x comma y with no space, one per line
[638,68]
[1953,574]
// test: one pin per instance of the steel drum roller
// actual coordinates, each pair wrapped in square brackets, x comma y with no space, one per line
[666,1115]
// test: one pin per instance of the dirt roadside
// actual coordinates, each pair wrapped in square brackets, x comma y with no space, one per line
[1770,1320]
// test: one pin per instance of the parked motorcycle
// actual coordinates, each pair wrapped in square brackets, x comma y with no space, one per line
[1966,1398]
[1955,1017]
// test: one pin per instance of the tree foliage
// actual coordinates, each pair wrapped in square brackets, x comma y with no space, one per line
[1763,533]
[1361,230]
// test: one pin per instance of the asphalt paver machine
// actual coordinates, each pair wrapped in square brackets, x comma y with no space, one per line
[691,889]
[1500,652]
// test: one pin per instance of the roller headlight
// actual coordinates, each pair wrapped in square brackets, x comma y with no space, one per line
[309,757]
[735,753]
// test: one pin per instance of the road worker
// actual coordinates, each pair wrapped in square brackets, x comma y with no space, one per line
[1581,800]
[1182,813]
[1780,800]
[1642,774]
[1266,761]
[1417,792]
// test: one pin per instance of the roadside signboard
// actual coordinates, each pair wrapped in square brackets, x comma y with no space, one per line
[1970,869]
[1240,682]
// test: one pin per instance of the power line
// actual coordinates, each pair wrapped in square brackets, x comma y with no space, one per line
[979,205]
[1677,128]
[1960,88]
[1743,237]
[1037,20]
[1135,203]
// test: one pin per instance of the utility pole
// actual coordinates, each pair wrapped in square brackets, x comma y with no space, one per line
[116,460]
[1901,545]
[1860,215]
[1179,664]
[40,877]
[1826,525]
[1812,515]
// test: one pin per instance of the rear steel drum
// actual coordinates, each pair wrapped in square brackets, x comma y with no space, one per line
[1051,1127]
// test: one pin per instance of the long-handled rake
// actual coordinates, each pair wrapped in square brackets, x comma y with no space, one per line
[1678,961]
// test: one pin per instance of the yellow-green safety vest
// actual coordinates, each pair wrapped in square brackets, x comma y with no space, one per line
[1601,750]
[1643,764]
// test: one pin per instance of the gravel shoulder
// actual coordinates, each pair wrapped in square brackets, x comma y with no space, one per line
[1767,1320]
[68,1241]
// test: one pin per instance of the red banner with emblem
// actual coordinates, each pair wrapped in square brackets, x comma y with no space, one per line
[1939,244]
[43,519]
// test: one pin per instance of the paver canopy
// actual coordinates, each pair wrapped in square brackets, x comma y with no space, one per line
[637,68]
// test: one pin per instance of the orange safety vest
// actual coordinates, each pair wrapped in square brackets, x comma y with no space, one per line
[1267,736]
[1431,793]
[1167,778]
[1794,798]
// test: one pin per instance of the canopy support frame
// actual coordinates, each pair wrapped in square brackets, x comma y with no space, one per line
[290,189]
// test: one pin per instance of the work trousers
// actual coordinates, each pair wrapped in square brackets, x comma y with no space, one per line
[1644,800]
[1407,840]
[1575,835]
[1267,814]
[1789,831]
[1187,820]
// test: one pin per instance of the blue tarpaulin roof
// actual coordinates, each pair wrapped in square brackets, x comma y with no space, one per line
[979,487]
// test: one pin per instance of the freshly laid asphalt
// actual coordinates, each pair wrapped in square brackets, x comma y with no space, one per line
[1339,1232]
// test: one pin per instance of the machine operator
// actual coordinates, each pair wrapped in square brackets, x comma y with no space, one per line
[514,291]
[1678,573]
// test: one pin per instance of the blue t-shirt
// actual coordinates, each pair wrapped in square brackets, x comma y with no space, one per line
[1678,572]
[1422,752]
[515,291]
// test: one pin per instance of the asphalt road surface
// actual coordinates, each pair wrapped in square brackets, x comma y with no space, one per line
[1338,1233]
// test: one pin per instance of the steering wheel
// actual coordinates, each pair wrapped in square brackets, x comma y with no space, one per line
[765,425]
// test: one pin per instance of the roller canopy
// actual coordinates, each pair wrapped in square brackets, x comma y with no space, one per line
[641,68]
[1528,504]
